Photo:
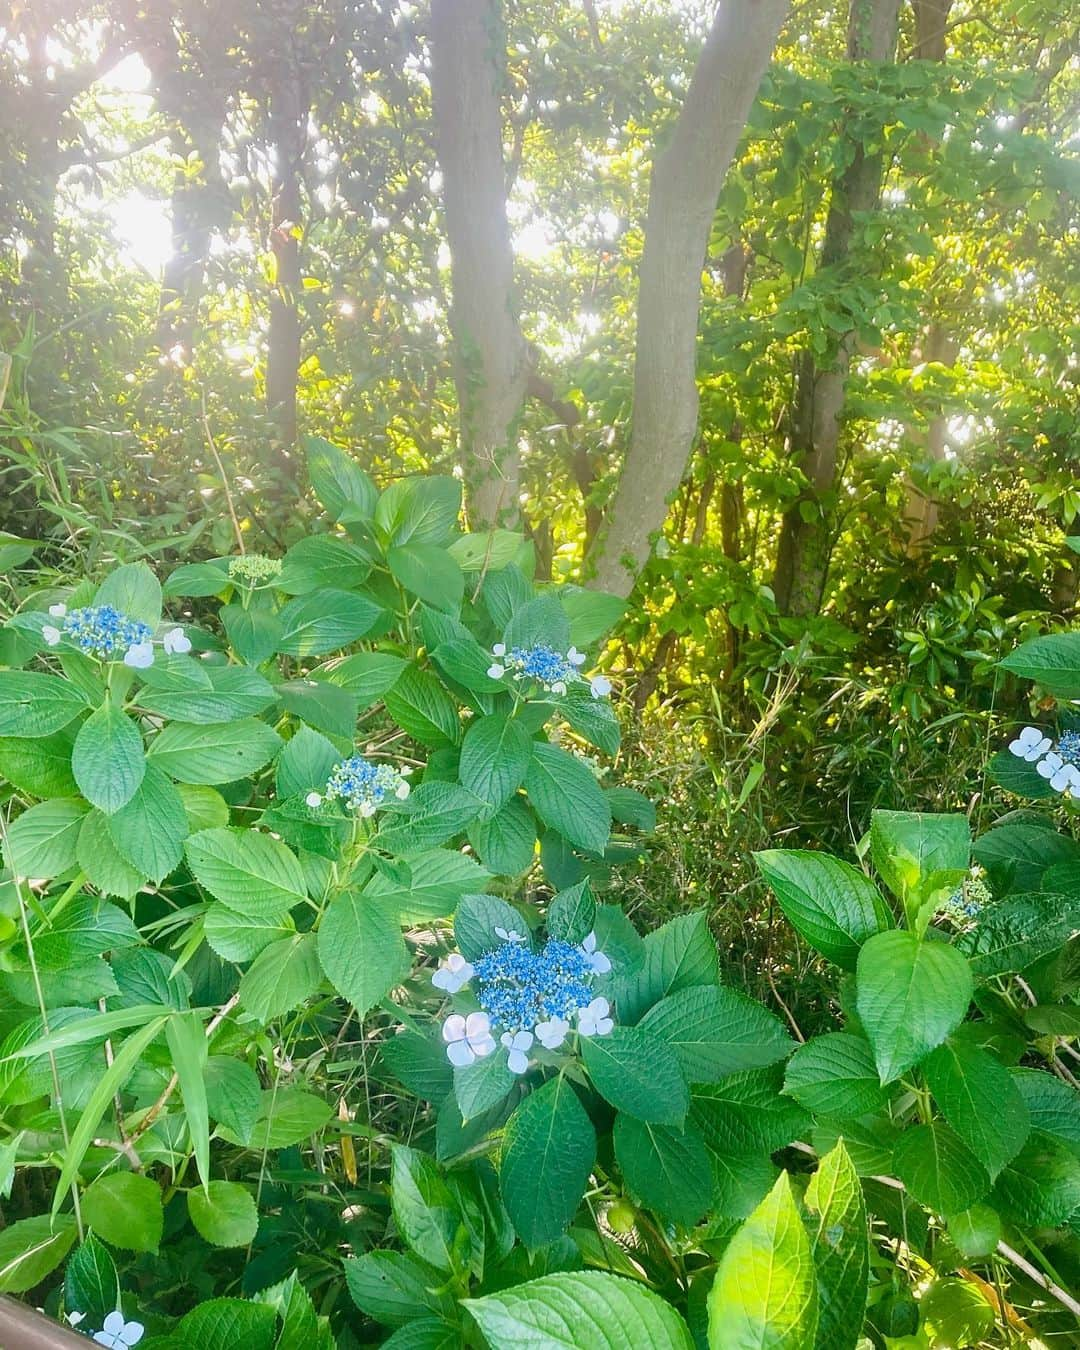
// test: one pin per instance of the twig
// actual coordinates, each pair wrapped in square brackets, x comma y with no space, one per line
[221,470]
[126,1146]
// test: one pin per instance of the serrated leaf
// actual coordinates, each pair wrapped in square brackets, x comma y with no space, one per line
[830,903]
[716,1031]
[33,705]
[221,753]
[124,1208]
[638,1073]
[668,1169]
[980,1100]
[567,797]
[548,1152]
[361,949]
[421,707]
[252,873]
[835,1076]
[939,1169]
[107,758]
[149,831]
[840,1241]
[224,1214]
[680,954]
[495,755]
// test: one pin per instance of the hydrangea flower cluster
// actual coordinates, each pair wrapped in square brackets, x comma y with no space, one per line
[525,996]
[361,786]
[102,631]
[549,668]
[254,567]
[1058,763]
[116,1334]
[967,902]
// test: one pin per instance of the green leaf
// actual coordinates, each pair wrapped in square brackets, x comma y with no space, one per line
[149,831]
[283,975]
[301,1328]
[40,767]
[241,937]
[507,842]
[593,718]
[361,949]
[429,572]
[1053,1106]
[425,1211]
[1041,1186]
[187,1046]
[34,705]
[340,484]
[224,1214]
[233,1094]
[477,918]
[394,1288]
[1014,933]
[225,1324]
[667,1169]
[214,754]
[289,1116]
[367,675]
[432,814]
[831,904]
[254,634]
[105,866]
[1017,775]
[494,757]
[591,613]
[572,913]
[1017,853]
[322,560]
[86,928]
[835,1076]
[907,846]
[324,621]
[540,620]
[485,550]
[910,995]
[134,590]
[765,1294]
[482,1085]
[638,1073]
[679,955]
[305,764]
[579,1310]
[840,1241]
[423,709]
[252,873]
[419,511]
[235,692]
[957,1312]
[321,705]
[438,879]
[107,759]
[549,1148]
[465,662]
[976,1232]
[939,1169]
[30,1249]
[980,1100]
[125,1209]
[91,1285]
[1052,659]
[198,579]
[567,797]
[630,807]
[746,1114]
[420,1063]
[716,1031]
[43,842]
[205,808]
[145,976]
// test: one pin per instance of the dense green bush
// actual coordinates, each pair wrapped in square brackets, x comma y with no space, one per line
[324,1023]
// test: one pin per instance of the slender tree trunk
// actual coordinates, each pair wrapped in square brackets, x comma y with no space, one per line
[491,362]
[288,134]
[686,180]
[805,536]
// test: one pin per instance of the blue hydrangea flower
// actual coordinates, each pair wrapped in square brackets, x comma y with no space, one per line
[518,988]
[1068,747]
[102,631]
[361,786]
[547,667]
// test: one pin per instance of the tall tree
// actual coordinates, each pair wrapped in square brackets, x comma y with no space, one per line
[687,176]
[806,534]
[491,363]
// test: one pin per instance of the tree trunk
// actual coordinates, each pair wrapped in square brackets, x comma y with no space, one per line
[686,180]
[805,544]
[288,134]
[491,363]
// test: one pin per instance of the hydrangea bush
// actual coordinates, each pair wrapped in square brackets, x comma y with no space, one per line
[322,850]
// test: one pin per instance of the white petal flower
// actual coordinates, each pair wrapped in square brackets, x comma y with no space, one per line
[1049,766]
[518,1044]
[1030,744]
[57,611]
[559,687]
[402,791]
[600,686]
[598,962]
[51,635]
[509,934]
[140,656]
[118,1334]
[552,1033]
[1067,780]
[467,1038]
[594,1020]
[575,657]
[495,671]
[313,799]
[177,642]
[454,973]
[499,649]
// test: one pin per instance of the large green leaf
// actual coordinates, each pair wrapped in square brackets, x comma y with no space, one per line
[494,757]
[43,841]
[426,1214]
[716,1031]
[638,1073]
[234,692]
[432,814]
[745,1113]
[149,831]
[224,1214]
[681,954]
[188,1049]
[980,1100]
[107,759]
[908,846]
[910,995]
[939,1169]
[30,1249]
[40,766]
[507,842]
[252,873]
[394,1288]
[105,866]
[220,753]
[437,880]
[1041,1186]
[85,928]
[567,798]
[324,621]
[840,1241]
[1053,659]
[134,590]
[226,1324]
[1053,1106]
[430,573]
[835,1076]
[421,706]
[829,902]
[1018,852]
[765,1293]
[419,510]
[322,560]
[34,705]
[284,974]
[668,1169]
[91,1284]
[579,1310]
[125,1209]
[361,948]
[340,484]
[1014,933]
[548,1152]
